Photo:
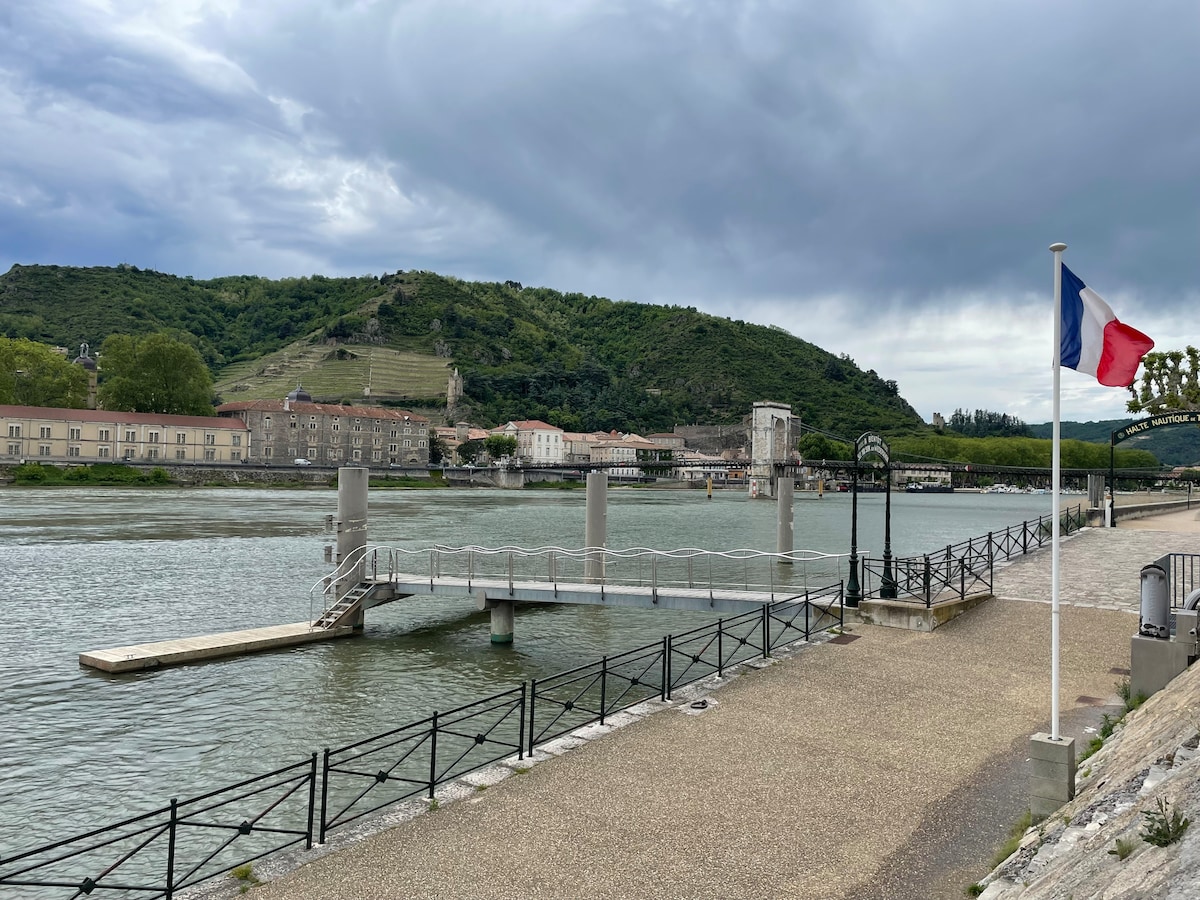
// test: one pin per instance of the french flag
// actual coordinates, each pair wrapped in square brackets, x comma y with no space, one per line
[1093,341]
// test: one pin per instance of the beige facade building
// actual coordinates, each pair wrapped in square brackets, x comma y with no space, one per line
[52,435]
[331,434]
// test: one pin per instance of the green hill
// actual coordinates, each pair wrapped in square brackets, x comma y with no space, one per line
[582,362]
[1178,445]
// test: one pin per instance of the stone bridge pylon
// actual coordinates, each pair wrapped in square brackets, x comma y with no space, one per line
[772,438]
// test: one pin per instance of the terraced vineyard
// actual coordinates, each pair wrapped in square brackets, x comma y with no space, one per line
[350,373]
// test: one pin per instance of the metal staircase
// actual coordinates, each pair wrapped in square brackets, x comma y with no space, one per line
[346,607]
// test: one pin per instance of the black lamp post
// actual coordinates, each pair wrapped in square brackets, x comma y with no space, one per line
[887,585]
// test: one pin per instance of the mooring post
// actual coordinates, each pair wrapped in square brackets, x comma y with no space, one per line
[596,526]
[783,514]
[351,530]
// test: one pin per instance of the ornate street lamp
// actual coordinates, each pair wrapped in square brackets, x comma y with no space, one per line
[853,589]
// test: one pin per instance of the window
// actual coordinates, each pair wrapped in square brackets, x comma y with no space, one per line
[237,440]
[377,442]
[407,442]
[210,454]
[72,451]
[105,434]
[266,452]
[210,440]
[394,432]
[292,424]
[335,425]
[331,453]
[408,429]
[377,454]
[181,437]
[44,432]
[377,427]
[421,444]
[391,448]
[153,437]
[75,433]
[267,422]
[357,455]
[14,449]
[14,430]
[152,453]
[357,442]
[312,426]
[181,454]
[130,436]
[43,449]
[312,452]
[102,452]
[235,455]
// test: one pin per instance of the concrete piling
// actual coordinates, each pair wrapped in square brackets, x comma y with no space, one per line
[784,536]
[596,527]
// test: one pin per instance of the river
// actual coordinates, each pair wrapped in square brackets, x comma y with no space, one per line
[87,569]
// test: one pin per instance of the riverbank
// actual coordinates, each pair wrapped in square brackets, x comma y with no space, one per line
[885,764]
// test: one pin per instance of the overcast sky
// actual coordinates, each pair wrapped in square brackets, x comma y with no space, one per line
[880,178]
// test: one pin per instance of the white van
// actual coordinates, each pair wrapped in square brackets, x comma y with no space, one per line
[302,462]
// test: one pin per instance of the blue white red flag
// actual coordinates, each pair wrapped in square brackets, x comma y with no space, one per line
[1093,341]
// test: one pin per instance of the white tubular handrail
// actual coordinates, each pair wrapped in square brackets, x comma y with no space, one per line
[721,569]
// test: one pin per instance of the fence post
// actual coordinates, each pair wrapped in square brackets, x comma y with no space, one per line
[312,801]
[766,630]
[665,655]
[171,830]
[962,580]
[521,727]
[603,685]
[532,710]
[927,577]
[720,650]
[1025,536]
[991,562]
[433,756]
[324,795]
[670,639]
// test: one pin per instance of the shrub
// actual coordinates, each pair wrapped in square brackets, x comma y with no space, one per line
[1163,826]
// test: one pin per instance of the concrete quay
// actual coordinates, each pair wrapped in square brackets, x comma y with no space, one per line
[885,763]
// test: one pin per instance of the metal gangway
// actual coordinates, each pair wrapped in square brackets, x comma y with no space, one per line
[690,578]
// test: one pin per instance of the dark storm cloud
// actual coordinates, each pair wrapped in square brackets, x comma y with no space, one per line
[886,153]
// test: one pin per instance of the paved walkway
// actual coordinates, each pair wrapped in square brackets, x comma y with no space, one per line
[890,765]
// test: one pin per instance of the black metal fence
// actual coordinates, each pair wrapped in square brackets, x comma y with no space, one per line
[964,568]
[157,854]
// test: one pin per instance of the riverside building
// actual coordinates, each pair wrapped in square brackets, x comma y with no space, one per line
[296,428]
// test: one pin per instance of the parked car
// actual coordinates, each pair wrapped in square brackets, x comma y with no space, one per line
[302,462]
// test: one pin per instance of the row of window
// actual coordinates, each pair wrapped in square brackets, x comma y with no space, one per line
[335,425]
[103,452]
[75,433]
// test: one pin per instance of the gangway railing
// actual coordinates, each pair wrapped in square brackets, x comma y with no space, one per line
[655,570]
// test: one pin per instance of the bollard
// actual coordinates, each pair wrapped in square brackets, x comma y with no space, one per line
[1155,619]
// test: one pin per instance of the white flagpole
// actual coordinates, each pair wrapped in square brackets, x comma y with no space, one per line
[1056,503]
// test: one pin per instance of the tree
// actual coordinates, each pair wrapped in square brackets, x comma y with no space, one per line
[814,447]
[154,374]
[437,448]
[498,445]
[33,374]
[1166,384]
[468,452]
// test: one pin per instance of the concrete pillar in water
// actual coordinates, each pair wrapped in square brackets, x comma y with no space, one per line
[785,485]
[503,614]
[351,530]
[596,528]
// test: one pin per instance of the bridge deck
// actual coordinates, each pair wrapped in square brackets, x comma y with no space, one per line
[643,596]
[209,646]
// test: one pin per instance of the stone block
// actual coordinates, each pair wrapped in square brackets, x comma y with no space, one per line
[1052,774]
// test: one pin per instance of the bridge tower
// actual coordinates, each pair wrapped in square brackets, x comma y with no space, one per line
[770,442]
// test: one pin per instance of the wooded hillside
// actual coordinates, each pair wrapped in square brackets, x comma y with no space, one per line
[580,362]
